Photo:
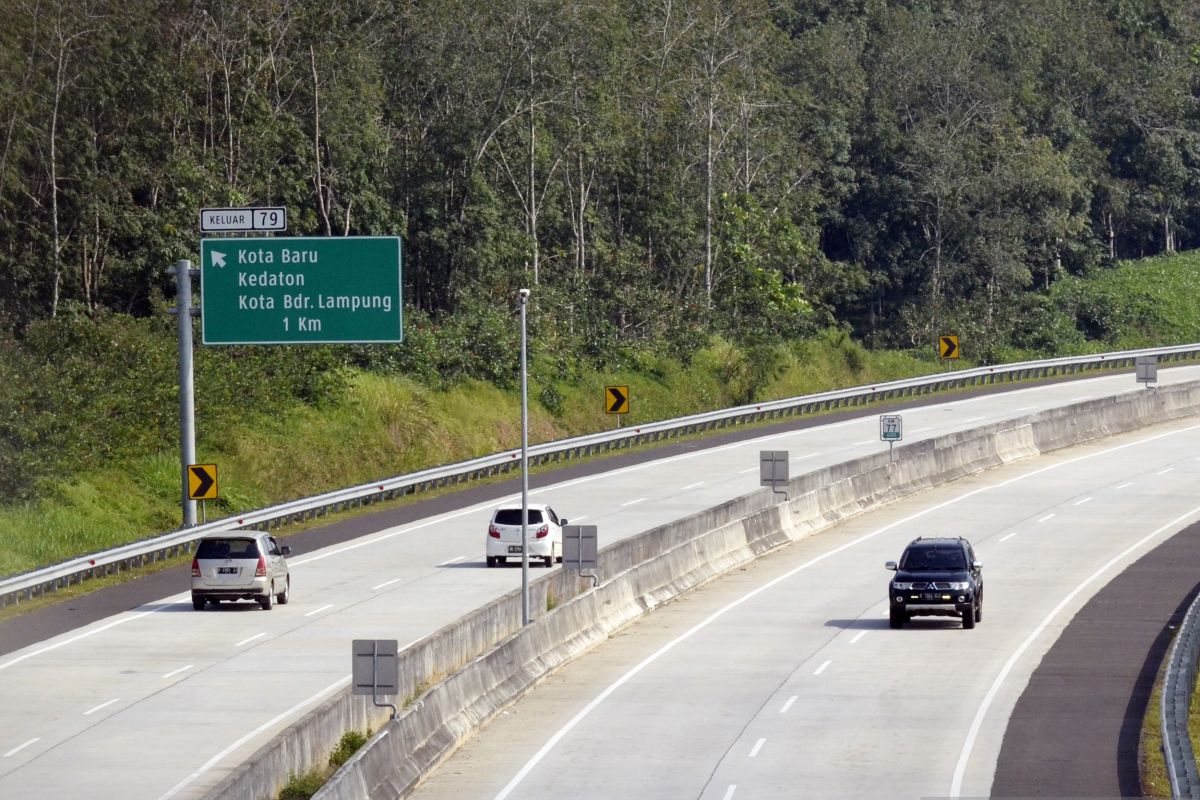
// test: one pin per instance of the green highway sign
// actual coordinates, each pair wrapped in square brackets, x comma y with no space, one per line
[293,290]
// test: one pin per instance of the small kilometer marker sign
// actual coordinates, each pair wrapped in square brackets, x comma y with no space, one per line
[224,220]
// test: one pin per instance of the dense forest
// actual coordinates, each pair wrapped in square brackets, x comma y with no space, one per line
[657,170]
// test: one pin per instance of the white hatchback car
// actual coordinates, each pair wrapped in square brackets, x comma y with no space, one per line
[544,532]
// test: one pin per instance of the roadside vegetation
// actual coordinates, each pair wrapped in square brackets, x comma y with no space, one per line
[88,406]
[302,787]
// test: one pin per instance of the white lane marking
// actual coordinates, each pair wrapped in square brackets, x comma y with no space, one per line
[808,455]
[1083,397]
[1125,485]
[975,419]
[921,430]
[695,485]
[489,505]
[558,735]
[340,682]
[1084,500]
[1165,471]
[386,583]
[21,747]
[1009,536]
[729,792]
[858,636]
[581,516]
[454,560]
[757,746]
[864,441]
[1048,516]
[251,639]
[1026,408]
[634,502]
[74,639]
[745,471]
[788,704]
[319,610]
[821,668]
[175,672]
[969,743]
[102,705]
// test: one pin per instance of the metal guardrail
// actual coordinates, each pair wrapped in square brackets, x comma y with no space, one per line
[1178,684]
[31,584]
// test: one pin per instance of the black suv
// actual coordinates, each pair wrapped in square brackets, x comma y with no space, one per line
[936,577]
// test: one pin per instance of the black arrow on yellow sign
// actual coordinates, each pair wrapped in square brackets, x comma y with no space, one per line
[202,482]
[948,347]
[616,399]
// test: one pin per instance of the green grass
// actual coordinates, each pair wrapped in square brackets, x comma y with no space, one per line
[385,425]
[302,787]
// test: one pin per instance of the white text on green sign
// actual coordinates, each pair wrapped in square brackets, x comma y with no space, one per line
[289,290]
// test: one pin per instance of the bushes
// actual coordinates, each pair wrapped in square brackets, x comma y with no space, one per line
[79,392]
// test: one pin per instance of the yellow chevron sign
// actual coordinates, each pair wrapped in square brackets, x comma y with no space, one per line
[948,346]
[616,399]
[202,482]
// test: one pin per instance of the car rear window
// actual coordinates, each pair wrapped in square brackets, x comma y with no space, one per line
[227,548]
[512,516]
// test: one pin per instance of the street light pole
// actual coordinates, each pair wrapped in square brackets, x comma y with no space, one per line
[524,295]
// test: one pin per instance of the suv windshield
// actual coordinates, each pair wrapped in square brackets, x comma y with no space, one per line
[922,558]
[512,516]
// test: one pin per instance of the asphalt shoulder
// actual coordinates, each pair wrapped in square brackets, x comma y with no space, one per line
[1076,728]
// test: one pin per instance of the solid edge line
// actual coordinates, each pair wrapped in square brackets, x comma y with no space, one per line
[977,723]
[268,724]
[650,659]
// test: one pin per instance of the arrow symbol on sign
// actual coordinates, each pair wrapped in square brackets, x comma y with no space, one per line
[205,481]
[948,347]
[218,259]
[618,400]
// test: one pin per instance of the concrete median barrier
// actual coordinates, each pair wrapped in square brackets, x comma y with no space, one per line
[461,676]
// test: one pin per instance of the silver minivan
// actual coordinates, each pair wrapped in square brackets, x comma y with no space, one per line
[240,566]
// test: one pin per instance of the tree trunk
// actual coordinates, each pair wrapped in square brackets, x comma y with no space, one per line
[318,178]
[708,193]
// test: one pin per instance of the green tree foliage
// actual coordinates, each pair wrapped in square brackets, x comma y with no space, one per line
[661,172]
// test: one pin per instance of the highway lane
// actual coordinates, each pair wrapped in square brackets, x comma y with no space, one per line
[167,700]
[784,679]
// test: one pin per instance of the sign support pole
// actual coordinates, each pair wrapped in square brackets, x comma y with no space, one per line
[187,396]
[525,620]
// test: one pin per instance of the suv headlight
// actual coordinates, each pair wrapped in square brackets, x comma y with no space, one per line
[902,585]
[959,585]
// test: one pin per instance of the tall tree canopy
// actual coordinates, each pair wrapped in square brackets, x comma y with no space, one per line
[744,167]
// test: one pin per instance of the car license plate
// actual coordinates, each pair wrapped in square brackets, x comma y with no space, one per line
[931,596]
[514,548]
[227,570]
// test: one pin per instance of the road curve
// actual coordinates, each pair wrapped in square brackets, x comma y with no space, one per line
[783,679]
[164,701]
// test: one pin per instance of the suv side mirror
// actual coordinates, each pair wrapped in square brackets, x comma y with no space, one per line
[890,565]
[562,520]
[976,565]
[285,550]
